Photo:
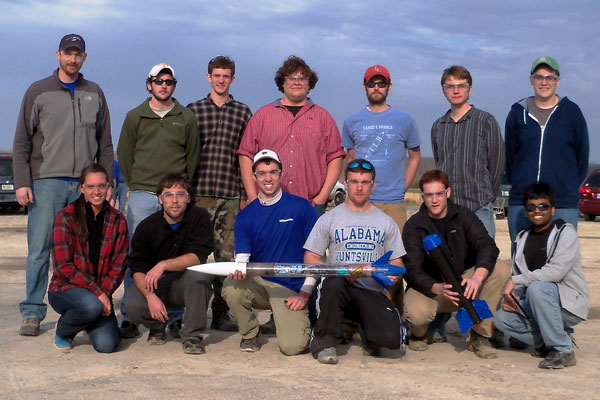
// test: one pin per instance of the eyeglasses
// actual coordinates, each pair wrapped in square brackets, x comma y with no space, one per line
[356,183]
[461,87]
[364,164]
[272,173]
[160,81]
[541,78]
[296,79]
[371,85]
[436,194]
[171,196]
[101,186]
[78,55]
[542,207]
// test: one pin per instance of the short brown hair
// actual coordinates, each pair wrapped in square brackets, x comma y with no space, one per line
[434,175]
[457,71]
[353,167]
[295,64]
[171,180]
[222,62]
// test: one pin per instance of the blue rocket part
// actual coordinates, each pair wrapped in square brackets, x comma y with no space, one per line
[395,270]
[432,241]
[382,261]
[464,320]
[382,279]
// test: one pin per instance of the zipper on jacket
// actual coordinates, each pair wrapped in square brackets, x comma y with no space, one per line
[542,130]
[79,107]
[74,126]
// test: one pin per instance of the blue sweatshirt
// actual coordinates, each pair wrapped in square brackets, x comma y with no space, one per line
[557,154]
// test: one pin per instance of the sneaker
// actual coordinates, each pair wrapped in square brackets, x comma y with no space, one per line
[193,345]
[222,321]
[328,356]
[157,337]
[541,352]
[433,336]
[481,346]
[417,343]
[516,344]
[268,328]
[30,327]
[174,329]
[61,344]
[129,330]
[250,345]
[557,360]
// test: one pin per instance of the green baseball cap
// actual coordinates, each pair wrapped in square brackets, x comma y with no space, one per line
[549,61]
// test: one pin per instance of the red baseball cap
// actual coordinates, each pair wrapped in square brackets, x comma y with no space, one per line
[375,70]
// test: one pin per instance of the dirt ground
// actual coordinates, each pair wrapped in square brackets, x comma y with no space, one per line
[31,368]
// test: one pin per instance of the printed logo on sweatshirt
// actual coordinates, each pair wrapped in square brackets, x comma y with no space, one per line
[287,220]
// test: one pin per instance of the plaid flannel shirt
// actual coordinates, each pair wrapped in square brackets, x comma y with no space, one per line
[71,264]
[220,130]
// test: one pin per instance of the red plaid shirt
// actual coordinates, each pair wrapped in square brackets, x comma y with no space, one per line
[71,264]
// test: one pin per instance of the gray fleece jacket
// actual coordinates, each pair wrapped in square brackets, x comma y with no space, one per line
[563,267]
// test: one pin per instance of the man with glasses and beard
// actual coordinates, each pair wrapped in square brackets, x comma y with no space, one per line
[547,294]
[158,137]
[163,246]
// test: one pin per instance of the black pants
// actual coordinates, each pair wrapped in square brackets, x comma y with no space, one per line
[377,315]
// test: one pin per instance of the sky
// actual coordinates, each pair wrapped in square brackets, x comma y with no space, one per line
[415,40]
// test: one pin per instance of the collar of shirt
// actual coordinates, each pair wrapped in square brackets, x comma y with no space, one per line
[447,118]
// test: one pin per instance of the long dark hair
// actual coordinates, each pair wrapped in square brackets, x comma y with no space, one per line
[81,230]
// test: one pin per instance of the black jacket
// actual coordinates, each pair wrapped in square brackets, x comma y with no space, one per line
[468,241]
[154,240]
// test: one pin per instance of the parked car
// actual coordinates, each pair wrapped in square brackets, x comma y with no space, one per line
[8,197]
[589,196]
[501,203]
[338,194]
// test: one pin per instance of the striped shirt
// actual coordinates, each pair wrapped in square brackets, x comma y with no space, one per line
[471,152]
[220,130]
[305,144]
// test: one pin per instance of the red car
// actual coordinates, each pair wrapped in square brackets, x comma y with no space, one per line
[589,196]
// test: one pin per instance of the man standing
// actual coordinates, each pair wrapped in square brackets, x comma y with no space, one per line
[63,126]
[546,139]
[467,145]
[548,282]
[163,246]
[303,134]
[158,137]
[217,182]
[273,228]
[355,232]
[383,134]
[475,260]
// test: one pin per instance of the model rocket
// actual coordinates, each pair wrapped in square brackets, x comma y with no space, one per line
[472,312]
[379,270]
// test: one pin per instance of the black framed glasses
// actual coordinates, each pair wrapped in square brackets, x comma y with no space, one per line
[381,85]
[364,164]
[160,81]
[542,207]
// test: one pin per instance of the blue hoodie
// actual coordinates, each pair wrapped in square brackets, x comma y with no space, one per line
[557,155]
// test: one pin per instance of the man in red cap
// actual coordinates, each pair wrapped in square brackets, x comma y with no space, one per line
[384,135]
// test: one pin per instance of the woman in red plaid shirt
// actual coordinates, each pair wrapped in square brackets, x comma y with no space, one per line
[89,250]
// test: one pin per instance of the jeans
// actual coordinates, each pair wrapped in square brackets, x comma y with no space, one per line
[141,205]
[80,310]
[550,325]
[49,197]
[487,217]
[517,221]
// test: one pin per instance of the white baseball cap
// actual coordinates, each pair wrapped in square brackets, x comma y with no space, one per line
[264,154]
[159,67]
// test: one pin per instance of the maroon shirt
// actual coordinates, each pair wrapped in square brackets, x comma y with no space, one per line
[305,144]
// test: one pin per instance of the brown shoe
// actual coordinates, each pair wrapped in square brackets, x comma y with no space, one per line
[30,327]
[481,346]
[417,343]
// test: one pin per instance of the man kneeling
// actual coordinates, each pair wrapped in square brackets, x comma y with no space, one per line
[473,251]
[163,246]
[548,282]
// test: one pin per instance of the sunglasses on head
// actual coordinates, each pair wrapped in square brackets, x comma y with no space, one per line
[364,164]
[542,207]
[160,81]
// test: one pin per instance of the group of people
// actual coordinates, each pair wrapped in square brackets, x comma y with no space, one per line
[214,178]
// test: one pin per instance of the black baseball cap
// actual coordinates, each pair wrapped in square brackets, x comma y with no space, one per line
[72,40]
